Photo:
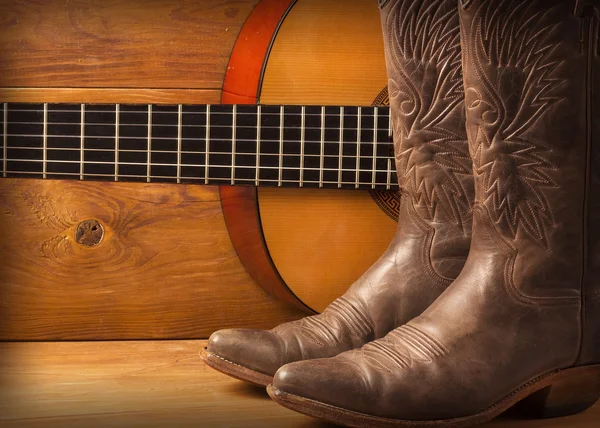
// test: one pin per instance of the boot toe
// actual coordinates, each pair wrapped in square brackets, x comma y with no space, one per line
[331,381]
[257,350]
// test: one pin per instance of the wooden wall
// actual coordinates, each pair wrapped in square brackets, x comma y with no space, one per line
[165,267]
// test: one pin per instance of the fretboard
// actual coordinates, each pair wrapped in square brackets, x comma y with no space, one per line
[260,145]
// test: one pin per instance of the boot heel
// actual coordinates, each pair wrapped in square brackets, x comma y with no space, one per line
[572,391]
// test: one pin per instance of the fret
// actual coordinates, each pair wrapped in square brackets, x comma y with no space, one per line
[233,144]
[117,113]
[61,119]
[374,157]
[149,145]
[99,141]
[244,150]
[4,138]
[221,140]
[45,142]
[164,153]
[358,141]
[245,146]
[269,149]
[331,146]
[133,143]
[179,131]
[193,142]
[341,148]
[302,143]
[292,136]
[130,132]
[281,124]
[312,146]
[368,149]
[349,152]
[258,128]
[81,140]
[207,139]
[322,149]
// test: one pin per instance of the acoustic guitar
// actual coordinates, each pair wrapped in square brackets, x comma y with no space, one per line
[302,155]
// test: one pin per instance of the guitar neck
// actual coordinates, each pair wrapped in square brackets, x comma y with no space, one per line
[260,145]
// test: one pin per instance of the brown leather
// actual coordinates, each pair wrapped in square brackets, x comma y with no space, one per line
[590,353]
[515,311]
[433,236]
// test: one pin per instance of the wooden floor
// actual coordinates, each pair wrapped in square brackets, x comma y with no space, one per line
[150,384]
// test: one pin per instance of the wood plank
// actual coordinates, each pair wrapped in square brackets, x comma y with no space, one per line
[175,44]
[110,96]
[165,267]
[151,384]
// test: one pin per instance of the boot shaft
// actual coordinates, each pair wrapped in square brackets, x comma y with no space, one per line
[591,304]
[530,69]
[423,57]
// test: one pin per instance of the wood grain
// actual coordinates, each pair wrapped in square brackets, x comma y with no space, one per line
[151,384]
[110,95]
[164,269]
[252,48]
[176,44]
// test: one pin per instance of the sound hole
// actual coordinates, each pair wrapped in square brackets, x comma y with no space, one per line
[387,200]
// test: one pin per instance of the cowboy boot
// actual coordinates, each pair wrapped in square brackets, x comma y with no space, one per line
[521,323]
[433,235]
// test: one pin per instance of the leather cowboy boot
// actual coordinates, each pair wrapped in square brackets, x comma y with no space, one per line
[433,236]
[521,323]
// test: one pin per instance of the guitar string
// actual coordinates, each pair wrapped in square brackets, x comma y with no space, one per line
[192,126]
[4,137]
[196,152]
[365,184]
[200,140]
[342,115]
[125,109]
[200,165]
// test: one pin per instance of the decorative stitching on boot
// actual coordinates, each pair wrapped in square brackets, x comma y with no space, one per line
[339,321]
[401,348]
[512,168]
[433,160]
[356,321]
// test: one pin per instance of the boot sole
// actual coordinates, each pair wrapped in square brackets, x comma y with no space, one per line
[234,370]
[556,394]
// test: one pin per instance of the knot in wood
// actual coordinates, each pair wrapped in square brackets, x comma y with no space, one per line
[89,233]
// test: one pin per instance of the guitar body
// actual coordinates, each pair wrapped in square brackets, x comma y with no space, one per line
[321,241]
[99,261]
